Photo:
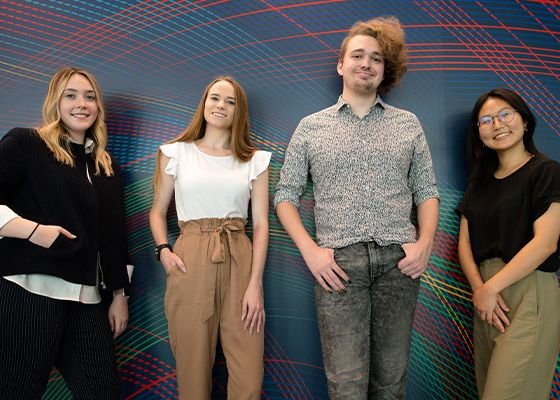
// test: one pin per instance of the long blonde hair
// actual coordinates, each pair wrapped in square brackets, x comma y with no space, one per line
[240,141]
[54,133]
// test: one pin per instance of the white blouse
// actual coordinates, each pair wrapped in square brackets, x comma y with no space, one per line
[211,186]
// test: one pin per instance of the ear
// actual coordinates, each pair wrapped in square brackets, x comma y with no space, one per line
[339,68]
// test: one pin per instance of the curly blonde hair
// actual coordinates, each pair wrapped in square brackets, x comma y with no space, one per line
[54,133]
[390,36]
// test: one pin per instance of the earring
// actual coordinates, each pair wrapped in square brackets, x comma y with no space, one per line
[525,127]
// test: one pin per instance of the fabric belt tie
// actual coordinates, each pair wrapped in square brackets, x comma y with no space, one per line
[216,252]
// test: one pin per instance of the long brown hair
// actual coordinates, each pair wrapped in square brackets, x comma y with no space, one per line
[240,142]
[54,133]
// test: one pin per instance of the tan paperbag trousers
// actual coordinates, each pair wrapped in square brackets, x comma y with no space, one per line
[519,364]
[206,301]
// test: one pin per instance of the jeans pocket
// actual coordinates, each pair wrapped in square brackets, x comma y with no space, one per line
[403,253]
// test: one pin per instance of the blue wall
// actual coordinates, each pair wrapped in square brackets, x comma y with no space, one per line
[153,58]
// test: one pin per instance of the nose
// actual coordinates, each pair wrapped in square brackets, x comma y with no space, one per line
[497,122]
[80,102]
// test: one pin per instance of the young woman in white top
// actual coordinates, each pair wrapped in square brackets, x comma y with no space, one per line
[214,273]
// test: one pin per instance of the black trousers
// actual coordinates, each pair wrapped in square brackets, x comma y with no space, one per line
[37,333]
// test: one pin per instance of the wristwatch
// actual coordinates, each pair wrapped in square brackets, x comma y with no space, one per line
[160,247]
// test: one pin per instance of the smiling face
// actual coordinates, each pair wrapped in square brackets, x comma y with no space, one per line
[220,104]
[499,135]
[362,66]
[78,107]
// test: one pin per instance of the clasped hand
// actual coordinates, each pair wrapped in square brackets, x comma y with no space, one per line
[491,308]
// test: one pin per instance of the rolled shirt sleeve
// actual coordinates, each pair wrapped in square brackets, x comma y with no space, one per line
[421,178]
[293,176]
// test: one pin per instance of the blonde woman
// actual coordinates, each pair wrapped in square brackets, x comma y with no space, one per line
[62,229]
[214,273]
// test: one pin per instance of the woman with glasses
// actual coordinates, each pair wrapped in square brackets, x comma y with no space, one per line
[508,249]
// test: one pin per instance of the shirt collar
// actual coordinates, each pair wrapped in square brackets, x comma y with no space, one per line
[89,145]
[341,103]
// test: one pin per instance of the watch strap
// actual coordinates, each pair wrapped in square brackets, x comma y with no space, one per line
[160,247]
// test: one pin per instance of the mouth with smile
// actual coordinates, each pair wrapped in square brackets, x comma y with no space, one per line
[364,74]
[219,114]
[80,115]
[501,135]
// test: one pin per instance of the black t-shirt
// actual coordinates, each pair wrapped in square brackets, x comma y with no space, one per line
[501,213]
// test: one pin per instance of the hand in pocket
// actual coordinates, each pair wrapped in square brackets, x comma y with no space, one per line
[45,235]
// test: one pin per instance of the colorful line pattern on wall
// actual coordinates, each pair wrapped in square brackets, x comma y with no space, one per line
[153,58]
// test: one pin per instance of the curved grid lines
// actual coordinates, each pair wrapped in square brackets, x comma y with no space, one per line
[293,273]
[542,98]
[216,37]
[151,376]
[461,59]
[434,325]
[286,377]
[102,35]
[44,35]
[290,55]
[18,71]
[303,28]
[445,300]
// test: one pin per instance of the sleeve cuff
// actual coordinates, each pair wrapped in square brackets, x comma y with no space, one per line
[6,215]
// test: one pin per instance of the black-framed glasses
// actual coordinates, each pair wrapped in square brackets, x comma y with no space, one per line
[505,115]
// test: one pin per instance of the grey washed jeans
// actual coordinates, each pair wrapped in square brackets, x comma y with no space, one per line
[365,332]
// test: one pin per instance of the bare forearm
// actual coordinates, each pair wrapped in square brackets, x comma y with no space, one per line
[428,214]
[260,246]
[293,225]
[469,267]
[529,258]
[158,226]
[18,228]
[466,258]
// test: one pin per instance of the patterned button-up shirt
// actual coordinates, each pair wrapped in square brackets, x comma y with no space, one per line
[366,173]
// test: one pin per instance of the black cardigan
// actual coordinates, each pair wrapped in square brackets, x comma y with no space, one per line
[37,187]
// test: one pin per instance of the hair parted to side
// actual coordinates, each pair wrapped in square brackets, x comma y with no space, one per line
[55,135]
[390,36]
[483,161]
[240,142]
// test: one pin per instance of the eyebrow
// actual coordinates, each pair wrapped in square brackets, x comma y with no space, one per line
[364,51]
[499,111]
[75,90]
[217,94]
